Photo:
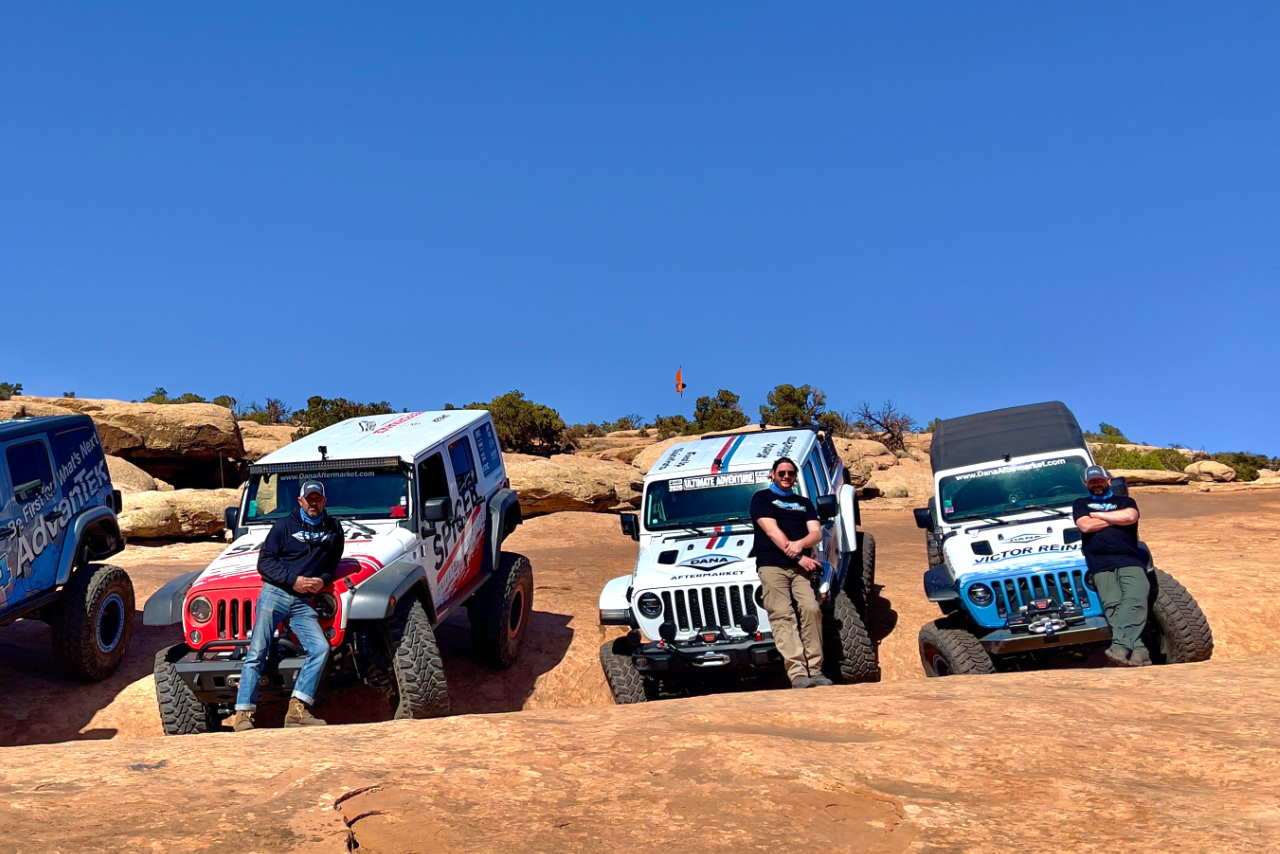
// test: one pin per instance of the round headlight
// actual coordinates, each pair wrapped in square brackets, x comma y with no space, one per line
[326,606]
[981,595]
[196,637]
[650,605]
[200,609]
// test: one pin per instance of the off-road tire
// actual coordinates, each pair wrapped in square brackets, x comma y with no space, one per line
[848,654]
[1177,631]
[501,611]
[946,649]
[93,622]
[866,566]
[180,712]
[627,684]
[419,689]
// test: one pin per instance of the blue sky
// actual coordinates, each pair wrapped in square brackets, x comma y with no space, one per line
[955,206]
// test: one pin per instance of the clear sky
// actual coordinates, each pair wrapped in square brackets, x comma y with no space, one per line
[955,206]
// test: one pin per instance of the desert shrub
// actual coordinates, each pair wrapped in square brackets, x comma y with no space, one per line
[274,411]
[632,421]
[1245,463]
[1160,459]
[225,400]
[523,426]
[722,412]
[793,406]
[159,395]
[8,390]
[838,423]
[666,426]
[933,425]
[69,394]
[1107,433]
[887,424]
[577,432]
[320,412]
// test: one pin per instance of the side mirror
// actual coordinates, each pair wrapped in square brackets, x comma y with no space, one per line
[437,509]
[826,506]
[232,518]
[630,525]
[924,519]
[1120,486]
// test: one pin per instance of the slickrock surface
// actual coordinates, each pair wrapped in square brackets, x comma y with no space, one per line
[1175,758]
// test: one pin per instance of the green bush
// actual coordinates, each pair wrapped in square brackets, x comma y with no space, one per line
[793,406]
[8,390]
[1246,464]
[320,412]
[1107,433]
[722,412]
[523,427]
[626,422]
[666,426]
[1161,459]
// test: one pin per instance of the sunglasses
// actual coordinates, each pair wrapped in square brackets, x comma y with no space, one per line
[786,473]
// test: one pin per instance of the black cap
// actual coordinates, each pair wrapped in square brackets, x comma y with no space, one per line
[1096,473]
[310,487]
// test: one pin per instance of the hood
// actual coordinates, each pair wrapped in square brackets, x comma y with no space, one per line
[683,557]
[369,547]
[1036,546]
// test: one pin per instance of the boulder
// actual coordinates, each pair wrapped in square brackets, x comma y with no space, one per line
[1268,474]
[908,479]
[262,439]
[127,477]
[568,482]
[1211,471]
[180,514]
[1144,477]
[863,457]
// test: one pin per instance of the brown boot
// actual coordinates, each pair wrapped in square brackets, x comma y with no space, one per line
[242,722]
[299,716]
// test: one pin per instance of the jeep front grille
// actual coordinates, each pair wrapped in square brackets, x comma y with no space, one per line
[721,605]
[235,619]
[1067,587]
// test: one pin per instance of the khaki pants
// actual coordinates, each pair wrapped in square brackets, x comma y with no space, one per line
[802,650]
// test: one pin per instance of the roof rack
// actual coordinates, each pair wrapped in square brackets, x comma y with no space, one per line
[813,428]
[305,467]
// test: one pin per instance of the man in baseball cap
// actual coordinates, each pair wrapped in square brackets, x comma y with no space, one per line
[1108,524]
[297,561]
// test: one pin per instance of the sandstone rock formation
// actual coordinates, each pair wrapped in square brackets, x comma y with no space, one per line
[180,514]
[568,482]
[1268,474]
[262,439]
[127,477]
[1120,759]
[188,444]
[1211,471]
[1144,477]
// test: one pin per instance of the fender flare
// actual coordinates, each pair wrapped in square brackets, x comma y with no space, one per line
[376,598]
[504,506]
[939,586]
[71,546]
[615,602]
[164,608]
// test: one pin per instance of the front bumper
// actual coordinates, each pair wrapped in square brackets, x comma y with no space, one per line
[1005,641]
[721,655]
[214,677]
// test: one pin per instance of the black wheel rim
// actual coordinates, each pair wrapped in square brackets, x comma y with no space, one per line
[110,623]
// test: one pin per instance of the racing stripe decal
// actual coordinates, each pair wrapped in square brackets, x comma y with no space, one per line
[724,459]
[718,462]
[711,544]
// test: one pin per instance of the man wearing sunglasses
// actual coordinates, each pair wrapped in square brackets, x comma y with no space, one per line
[786,530]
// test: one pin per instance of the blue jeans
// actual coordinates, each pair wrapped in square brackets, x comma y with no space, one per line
[274,605]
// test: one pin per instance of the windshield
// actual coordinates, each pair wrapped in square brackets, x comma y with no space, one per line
[703,501]
[353,494]
[1004,489]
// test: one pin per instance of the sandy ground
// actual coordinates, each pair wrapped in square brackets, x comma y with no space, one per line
[1221,545]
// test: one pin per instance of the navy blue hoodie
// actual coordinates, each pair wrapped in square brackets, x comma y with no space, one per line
[294,548]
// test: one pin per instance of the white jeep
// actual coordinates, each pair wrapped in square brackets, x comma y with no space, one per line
[693,601]
[425,504]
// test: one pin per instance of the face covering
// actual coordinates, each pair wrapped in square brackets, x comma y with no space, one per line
[302,511]
[777,490]
[1105,496]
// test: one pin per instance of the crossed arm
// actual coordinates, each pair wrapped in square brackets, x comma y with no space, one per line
[794,549]
[1103,519]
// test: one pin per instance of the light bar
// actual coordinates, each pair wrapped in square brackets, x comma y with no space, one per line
[302,467]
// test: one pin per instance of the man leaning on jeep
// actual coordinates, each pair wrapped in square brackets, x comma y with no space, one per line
[1108,524]
[298,559]
[786,530]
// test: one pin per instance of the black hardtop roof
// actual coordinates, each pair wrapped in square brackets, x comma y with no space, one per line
[1018,431]
[16,428]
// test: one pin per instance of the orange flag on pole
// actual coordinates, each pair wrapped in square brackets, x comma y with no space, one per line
[680,386]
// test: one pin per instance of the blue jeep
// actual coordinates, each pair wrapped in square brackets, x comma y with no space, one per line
[57,522]
[1005,565]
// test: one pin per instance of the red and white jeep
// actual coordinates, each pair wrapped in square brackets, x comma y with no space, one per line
[425,504]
